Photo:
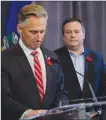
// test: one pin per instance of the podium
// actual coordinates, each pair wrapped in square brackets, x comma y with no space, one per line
[73,112]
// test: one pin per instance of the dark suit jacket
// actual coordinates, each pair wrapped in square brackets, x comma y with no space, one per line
[95,72]
[19,89]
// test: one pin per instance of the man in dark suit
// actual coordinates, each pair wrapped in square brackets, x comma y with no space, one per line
[29,88]
[75,57]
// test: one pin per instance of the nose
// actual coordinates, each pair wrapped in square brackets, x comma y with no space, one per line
[72,35]
[38,36]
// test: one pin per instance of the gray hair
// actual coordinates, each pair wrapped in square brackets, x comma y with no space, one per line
[31,10]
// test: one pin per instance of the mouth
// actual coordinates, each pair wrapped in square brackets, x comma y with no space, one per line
[36,42]
[73,40]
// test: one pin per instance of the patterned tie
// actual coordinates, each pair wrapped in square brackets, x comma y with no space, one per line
[38,75]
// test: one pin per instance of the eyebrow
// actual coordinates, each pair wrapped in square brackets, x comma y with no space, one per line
[36,30]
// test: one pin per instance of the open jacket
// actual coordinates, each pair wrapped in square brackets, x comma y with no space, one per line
[19,89]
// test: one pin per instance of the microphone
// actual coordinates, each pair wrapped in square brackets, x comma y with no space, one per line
[54,60]
[98,113]
[90,87]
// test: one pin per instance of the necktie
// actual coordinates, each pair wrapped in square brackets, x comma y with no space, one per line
[38,75]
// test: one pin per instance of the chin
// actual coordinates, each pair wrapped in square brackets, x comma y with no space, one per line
[73,45]
[35,47]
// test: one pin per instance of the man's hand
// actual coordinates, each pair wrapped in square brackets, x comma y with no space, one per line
[33,112]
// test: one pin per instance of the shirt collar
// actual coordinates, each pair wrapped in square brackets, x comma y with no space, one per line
[26,50]
[81,52]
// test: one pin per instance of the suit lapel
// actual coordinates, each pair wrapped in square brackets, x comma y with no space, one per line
[22,60]
[88,75]
[71,80]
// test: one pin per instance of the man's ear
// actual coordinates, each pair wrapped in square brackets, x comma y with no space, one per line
[19,28]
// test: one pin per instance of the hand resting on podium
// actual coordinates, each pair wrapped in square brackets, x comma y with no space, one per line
[32,113]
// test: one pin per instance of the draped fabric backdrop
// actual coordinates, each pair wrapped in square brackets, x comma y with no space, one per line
[92,13]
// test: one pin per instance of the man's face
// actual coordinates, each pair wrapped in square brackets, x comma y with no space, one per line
[32,33]
[73,35]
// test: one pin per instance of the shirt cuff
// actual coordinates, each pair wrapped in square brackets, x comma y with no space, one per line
[22,117]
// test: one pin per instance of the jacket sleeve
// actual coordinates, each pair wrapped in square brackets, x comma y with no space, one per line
[10,107]
[102,83]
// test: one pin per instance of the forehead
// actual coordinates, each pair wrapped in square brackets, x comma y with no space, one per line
[73,25]
[35,22]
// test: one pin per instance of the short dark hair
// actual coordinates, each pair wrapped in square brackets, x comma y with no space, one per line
[72,20]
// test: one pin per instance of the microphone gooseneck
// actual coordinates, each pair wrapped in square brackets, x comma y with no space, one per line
[90,87]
